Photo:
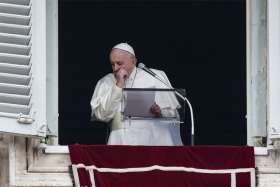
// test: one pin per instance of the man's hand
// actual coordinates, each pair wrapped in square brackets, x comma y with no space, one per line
[155,109]
[121,75]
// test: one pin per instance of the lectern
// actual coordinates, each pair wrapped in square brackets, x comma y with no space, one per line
[136,104]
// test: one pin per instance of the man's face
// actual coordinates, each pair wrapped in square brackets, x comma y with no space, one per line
[121,59]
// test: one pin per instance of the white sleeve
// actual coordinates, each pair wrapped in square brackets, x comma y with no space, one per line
[167,100]
[105,101]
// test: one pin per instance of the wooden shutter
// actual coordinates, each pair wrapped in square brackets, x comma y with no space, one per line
[23,67]
[274,71]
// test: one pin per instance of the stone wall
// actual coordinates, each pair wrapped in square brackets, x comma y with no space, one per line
[29,166]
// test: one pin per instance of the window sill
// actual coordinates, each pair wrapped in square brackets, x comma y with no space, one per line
[261,151]
[57,149]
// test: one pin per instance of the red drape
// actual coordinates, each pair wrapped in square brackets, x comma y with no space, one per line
[200,157]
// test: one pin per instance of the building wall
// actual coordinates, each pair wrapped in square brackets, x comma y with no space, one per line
[23,163]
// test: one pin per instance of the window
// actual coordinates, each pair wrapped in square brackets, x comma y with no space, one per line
[200,45]
[29,69]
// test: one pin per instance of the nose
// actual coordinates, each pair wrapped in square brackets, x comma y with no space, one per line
[116,67]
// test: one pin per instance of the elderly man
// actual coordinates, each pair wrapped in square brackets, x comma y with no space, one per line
[106,103]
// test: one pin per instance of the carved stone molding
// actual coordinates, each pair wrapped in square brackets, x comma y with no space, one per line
[28,166]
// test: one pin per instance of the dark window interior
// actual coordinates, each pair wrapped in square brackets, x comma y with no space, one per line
[201,46]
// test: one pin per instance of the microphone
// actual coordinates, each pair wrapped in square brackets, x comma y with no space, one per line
[150,72]
[143,67]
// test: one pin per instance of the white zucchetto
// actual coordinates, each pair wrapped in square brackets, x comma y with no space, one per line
[126,47]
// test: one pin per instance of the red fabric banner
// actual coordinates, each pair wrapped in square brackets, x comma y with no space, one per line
[198,157]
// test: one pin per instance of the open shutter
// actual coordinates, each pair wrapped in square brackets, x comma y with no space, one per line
[23,67]
[256,71]
[273,70]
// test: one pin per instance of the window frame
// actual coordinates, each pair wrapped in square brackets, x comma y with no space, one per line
[52,81]
[57,149]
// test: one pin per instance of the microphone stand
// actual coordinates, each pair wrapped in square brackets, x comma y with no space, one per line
[182,97]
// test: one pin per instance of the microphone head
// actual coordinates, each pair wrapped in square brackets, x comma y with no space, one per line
[141,65]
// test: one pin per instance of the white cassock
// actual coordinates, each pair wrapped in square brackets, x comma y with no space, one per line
[106,106]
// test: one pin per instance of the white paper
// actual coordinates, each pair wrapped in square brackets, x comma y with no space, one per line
[138,103]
